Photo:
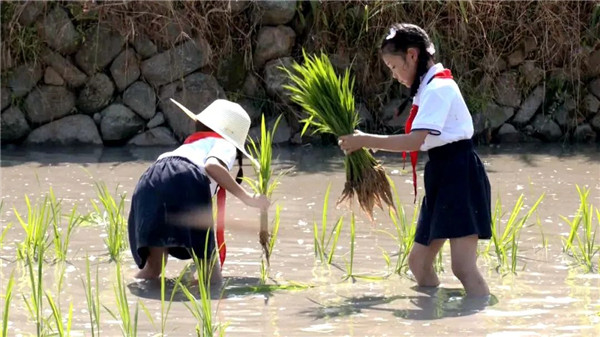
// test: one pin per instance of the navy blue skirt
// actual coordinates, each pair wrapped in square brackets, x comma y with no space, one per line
[171,207]
[457,200]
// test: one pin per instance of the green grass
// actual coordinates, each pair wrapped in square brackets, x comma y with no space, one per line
[322,249]
[63,329]
[583,231]
[350,263]
[7,301]
[112,216]
[165,307]
[62,237]
[264,266]
[36,226]
[506,243]
[34,301]
[92,297]
[128,321]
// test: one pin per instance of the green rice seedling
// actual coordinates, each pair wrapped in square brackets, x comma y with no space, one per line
[165,307]
[263,152]
[7,301]
[116,225]
[322,249]
[264,267]
[202,308]
[92,297]
[127,322]
[586,247]
[350,265]
[36,227]
[63,237]
[61,329]
[329,102]
[34,301]
[506,244]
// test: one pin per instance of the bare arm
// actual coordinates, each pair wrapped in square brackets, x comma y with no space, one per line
[222,177]
[393,143]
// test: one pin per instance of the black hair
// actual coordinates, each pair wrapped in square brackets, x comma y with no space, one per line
[403,36]
[240,175]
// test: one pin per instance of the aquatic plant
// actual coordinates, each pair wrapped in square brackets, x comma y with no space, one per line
[262,150]
[329,102]
[165,307]
[322,249]
[113,219]
[92,297]
[7,302]
[264,267]
[506,243]
[34,301]
[128,322]
[350,264]
[63,329]
[36,226]
[586,247]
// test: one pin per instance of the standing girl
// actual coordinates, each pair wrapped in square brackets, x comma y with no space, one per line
[457,204]
[171,207]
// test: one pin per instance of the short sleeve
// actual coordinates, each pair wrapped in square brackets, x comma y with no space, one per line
[224,151]
[434,107]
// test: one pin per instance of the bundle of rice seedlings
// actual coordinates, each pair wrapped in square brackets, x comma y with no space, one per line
[262,150]
[329,103]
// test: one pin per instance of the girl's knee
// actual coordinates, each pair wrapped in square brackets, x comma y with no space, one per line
[463,270]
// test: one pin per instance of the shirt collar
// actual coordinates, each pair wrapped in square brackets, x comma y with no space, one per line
[428,75]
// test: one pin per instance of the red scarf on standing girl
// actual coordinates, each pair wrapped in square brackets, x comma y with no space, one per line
[414,155]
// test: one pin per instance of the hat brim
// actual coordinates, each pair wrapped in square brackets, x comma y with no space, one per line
[227,138]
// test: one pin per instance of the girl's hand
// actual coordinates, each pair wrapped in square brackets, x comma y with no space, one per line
[351,143]
[258,201]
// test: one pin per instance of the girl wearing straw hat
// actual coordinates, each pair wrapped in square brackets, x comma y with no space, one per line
[456,205]
[171,207]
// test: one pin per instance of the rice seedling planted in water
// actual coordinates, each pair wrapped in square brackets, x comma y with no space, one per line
[36,226]
[62,237]
[329,102]
[127,322]
[7,302]
[62,328]
[114,220]
[506,243]
[34,301]
[350,264]
[263,152]
[586,247]
[92,297]
[322,249]
[264,266]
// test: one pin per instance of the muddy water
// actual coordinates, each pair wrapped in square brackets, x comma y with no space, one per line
[546,297]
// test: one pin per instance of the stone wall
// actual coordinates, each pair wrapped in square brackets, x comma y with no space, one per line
[100,86]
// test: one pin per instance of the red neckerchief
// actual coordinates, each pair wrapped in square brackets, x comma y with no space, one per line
[414,155]
[221,196]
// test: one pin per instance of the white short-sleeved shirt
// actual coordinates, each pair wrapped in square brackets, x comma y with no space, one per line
[199,151]
[442,111]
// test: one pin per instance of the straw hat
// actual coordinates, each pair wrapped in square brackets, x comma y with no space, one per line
[226,118]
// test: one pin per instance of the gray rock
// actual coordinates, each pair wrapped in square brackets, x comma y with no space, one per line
[561,115]
[254,108]
[58,31]
[101,46]
[196,92]
[119,123]
[531,73]
[238,6]
[71,130]
[274,12]
[232,72]
[24,78]
[584,134]
[546,128]
[177,62]
[273,43]
[51,77]
[158,119]
[595,122]
[70,73]
[509,134]
[14,125]
[125,69]
[97,118]
[141,98]
[160,136]
[530,106]
[276,78]
[283,134]
[31,11]
[591,104]
[594,87]
[593,64]
[496,115]
[144,46]
[96,94]
[252,87]
[507,90]
[479,123]
[493,64]
[516,58]
[48,103]
[6,97]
